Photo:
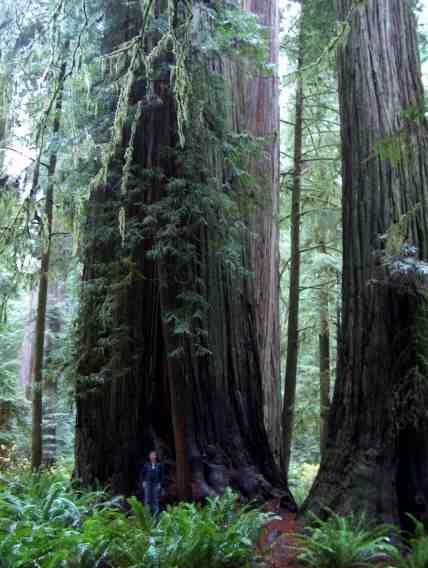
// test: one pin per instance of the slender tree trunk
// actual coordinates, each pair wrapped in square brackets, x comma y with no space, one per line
[376,457]
[290,381]
[37,386]
[324,354]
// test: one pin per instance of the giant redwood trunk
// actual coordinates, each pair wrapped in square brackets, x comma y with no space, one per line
[262,119]
[376,457]
[173,354]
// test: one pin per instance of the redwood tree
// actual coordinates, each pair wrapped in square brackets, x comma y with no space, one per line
[173,354]
[376,456]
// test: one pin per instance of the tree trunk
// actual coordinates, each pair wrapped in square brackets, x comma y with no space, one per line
[324,354]
[178,385]
[377,455]
[170,340]
[262,115]
[39,347]
[290,381]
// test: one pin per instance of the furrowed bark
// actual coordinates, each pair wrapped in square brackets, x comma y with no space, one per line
[376,455]
[200,403]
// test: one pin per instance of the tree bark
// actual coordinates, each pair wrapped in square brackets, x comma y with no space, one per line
[376,454]
[178,385]
[181,368]
[262,115]
[39,347]
[290,381]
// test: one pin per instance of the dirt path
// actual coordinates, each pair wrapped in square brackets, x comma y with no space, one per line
[278,536]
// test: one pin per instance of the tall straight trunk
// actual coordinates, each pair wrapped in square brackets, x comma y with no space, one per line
[263,121]
[39,347]
[376,457]
[324,354]
[290,381]
[176,364]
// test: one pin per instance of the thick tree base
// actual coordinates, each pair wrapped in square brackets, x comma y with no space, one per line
[376,460]
[212,470]
[388,488]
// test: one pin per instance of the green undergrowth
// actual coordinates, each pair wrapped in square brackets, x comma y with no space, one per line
[46,522]
[345,542]
[301,476]
[356,542]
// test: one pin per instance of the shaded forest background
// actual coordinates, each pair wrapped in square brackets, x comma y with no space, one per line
[56,111]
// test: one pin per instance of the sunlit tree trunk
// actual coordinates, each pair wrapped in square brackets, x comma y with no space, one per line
[262,115]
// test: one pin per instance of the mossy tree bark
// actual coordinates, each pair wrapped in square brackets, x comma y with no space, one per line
[377,453]
[178,362]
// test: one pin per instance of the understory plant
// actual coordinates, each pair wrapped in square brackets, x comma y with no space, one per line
[45,522]
[416,555]
[344,542]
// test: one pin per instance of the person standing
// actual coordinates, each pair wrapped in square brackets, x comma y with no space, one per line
[153,477]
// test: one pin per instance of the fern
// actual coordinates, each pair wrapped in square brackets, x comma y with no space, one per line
[344,542]
[44,522]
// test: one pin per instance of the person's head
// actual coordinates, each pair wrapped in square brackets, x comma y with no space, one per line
[153,456]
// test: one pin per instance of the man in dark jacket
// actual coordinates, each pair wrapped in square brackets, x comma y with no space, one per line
[152,477]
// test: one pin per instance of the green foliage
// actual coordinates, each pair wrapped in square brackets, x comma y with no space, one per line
[47,523]
[313,28]
[344,542]
[239,34]
[300,479]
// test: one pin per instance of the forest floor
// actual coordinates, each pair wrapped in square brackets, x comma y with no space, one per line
[278,536]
